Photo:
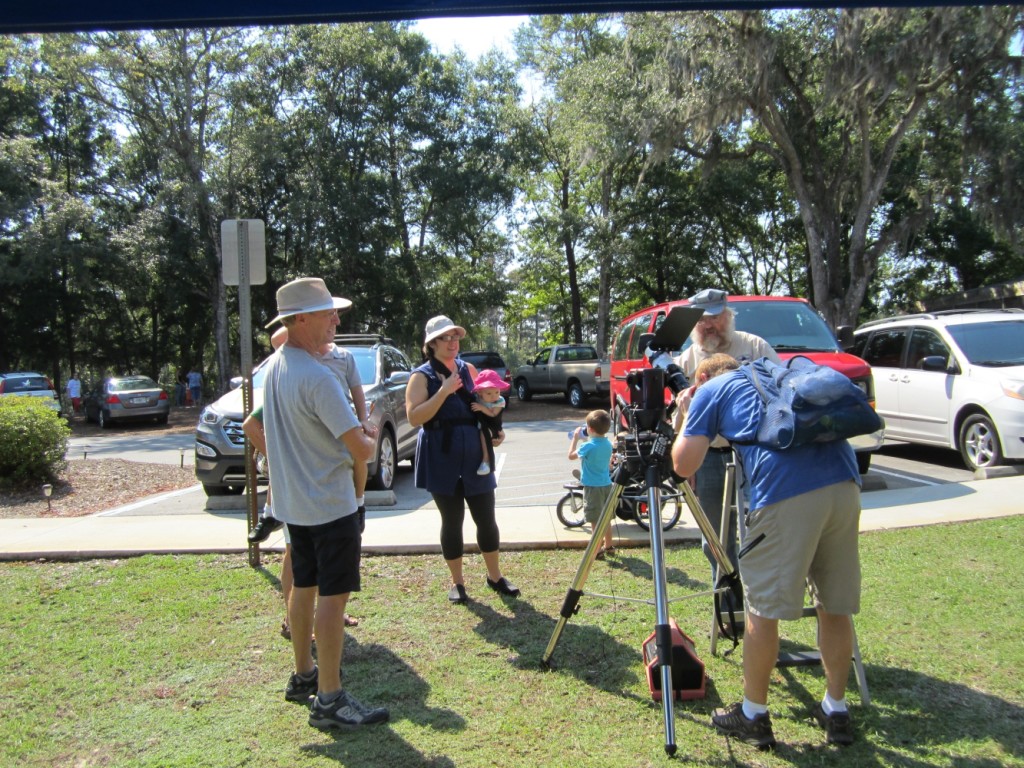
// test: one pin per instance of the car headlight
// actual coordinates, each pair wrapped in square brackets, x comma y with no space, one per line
[209,416]
[1013,388]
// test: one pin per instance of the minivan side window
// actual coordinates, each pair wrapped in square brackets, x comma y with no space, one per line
[924,342]
[885,350]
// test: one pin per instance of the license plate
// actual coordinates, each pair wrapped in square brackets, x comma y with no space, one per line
[139,400]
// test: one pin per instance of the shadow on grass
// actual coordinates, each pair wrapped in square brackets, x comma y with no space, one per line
[643,568]
[911,718]
[589,653]
[382,678]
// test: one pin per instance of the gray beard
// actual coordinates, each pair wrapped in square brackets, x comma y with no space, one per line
[712,342]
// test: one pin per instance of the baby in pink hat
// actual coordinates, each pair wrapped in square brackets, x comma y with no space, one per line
[488,405]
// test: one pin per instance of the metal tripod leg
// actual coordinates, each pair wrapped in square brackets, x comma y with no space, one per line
[732,504]
[662,630]
[572,597]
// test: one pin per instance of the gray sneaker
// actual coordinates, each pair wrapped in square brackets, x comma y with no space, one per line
[301,688]
[838,726]
[732,722]
[344,712]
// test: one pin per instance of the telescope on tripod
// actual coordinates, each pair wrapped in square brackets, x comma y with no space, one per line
[646,447]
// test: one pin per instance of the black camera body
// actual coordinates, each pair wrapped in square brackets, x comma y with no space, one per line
[649,439]
[650,436]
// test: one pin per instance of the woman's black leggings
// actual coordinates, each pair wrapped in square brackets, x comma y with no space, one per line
[453,513]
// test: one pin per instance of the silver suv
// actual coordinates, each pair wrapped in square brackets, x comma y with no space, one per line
[953,378]
[384,370]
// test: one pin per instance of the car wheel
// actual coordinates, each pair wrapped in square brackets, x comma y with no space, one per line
[384,478]
[217,490]
[576,397]
[863,462]
[979,442]
[103,419]
[523,390]
[162,419]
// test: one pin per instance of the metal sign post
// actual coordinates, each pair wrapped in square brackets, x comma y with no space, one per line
[244,263]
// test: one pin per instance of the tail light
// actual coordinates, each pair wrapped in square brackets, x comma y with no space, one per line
[163,396]
[112,400]
[597,373]
[3,383]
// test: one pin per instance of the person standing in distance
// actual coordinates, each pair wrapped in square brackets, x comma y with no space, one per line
[448,453]
[313,439]
[716,332]
[802,531]
[74,390]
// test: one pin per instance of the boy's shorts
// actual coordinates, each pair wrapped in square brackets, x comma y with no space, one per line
[594,499]
[327,556]
[809,540]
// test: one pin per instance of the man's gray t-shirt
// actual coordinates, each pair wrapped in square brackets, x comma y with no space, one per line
[305,412]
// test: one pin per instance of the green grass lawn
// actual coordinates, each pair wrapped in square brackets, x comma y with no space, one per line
[177,661]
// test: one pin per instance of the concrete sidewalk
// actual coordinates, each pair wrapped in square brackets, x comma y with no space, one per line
[162,525]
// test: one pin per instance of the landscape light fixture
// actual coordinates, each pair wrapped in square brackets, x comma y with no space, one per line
[47,492]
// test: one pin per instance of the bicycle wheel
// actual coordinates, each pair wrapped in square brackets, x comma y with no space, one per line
[570,509]
[671,506]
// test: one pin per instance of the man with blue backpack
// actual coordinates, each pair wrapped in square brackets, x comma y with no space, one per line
[801,530]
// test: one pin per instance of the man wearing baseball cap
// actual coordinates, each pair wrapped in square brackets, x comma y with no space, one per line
[716,332]
[313,440]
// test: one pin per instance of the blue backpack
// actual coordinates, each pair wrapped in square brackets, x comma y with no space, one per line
[808,403]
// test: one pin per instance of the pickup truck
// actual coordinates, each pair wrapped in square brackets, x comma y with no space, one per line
[575,370]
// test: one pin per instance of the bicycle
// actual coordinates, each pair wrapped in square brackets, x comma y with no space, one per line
[632,505]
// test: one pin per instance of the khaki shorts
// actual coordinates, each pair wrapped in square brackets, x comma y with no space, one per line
[594,499]
[809,540]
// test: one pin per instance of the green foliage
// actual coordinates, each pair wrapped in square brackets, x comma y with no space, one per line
[33,441]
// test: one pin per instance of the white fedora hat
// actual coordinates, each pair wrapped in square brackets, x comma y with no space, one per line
[307,294]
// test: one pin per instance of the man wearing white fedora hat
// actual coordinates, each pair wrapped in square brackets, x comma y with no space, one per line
[313,440]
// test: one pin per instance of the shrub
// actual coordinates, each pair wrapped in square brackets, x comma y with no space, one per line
[33,442]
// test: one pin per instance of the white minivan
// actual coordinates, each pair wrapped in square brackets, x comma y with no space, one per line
[953,378]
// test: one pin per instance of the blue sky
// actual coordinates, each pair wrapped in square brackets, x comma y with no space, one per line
[474,35]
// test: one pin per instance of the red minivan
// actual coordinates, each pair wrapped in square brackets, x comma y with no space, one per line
[791,326]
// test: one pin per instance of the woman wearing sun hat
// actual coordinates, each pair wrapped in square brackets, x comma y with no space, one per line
[448,453]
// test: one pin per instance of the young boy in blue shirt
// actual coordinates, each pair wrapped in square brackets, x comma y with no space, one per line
[595,457]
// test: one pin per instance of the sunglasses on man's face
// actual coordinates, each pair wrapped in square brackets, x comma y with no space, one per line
[448,338]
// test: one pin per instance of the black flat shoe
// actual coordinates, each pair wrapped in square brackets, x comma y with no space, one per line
[457,594]
[264,527]
[504,587]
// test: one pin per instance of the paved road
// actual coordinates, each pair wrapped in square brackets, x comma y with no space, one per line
[532,465]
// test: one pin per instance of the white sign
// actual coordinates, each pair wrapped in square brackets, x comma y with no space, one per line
[233,234]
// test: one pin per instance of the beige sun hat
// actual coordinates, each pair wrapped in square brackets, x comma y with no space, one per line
[307,294]
[439,326]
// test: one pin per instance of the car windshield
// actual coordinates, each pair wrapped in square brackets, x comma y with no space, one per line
[26,384]
[997,345]
[788,326]
[132,383]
